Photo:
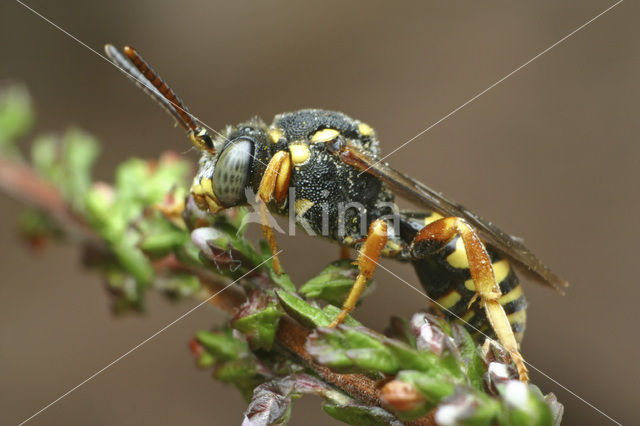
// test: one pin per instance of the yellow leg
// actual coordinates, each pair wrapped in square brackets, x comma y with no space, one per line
[267,231]
[367,262]
[487,289]
[274,184]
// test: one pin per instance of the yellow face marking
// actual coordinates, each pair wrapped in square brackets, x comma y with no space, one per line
[302,206]
[204,197]
[365,129]
[206,185]
[299,153]
[511,296]
[450,299]
[213,203]
[196,189]
[430,219]
[324,135]
[500,269]
[458,259]
[275,134]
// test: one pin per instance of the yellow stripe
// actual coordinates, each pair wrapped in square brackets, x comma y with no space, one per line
[511,296]
[467,317]
[450,299]
[518,317]
[458,259]
[500,269]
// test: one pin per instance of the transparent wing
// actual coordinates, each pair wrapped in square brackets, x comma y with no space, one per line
[418,192]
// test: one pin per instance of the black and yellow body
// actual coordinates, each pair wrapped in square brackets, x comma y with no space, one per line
[445,276]
[337,201]
[321,169]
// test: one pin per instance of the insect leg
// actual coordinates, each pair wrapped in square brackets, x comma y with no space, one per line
[367,262]
[273,185]
[433,237]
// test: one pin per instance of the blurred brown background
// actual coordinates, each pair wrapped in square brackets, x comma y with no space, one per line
[550,154]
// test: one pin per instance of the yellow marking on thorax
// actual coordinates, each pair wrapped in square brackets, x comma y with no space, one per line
[324,135]
[302,206]
[500,269]
[300,153]
[275,134]
[511,296]
[430,219]
[458,259]
[365,129]
[450,299]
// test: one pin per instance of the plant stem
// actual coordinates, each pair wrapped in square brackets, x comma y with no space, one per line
[24,184]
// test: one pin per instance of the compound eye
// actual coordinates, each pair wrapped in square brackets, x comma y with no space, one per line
[231,172]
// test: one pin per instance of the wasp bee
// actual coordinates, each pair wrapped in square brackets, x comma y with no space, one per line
[342,192]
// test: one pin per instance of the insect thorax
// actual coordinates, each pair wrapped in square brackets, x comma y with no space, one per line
[330,198]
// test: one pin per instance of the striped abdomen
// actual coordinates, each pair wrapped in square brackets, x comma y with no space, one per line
[445,277]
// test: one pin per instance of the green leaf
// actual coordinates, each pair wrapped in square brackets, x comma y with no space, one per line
[222,345]
[333,312]
[79,154]
[236,370]
[206,360]
[161,237]
[282,280]
[475,367]
[525,404]
[303,312]
[44,154]
[333,283]
[412,359]
[181,285]
[16,117]
[260,326]
[347,348]
[359,415]
[432,387]
[242,373]
[133,259]
[468,408]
